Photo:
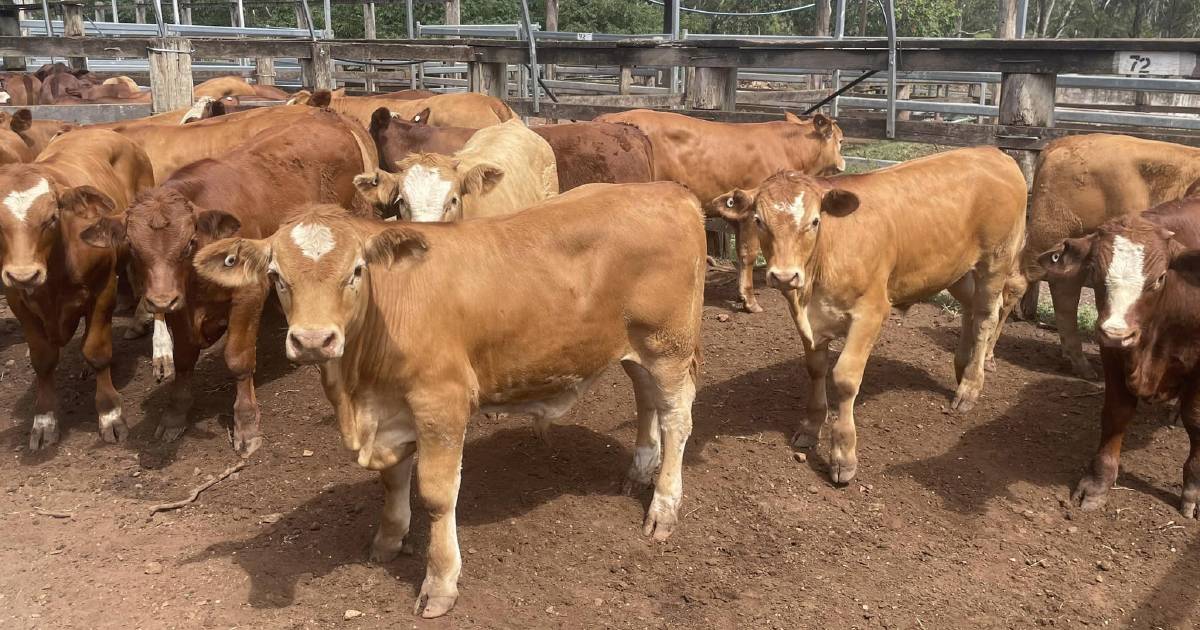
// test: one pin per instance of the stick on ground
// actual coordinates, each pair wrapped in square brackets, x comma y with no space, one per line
[175,505]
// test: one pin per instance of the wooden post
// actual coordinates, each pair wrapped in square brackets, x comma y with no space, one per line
[318,69]
[488,78]
[369,33]
[625,80]
[101,11]
[548,70]
[453,12]
[170,73]
[73,27]
[264,70]
[139,12]
[713,88]
[10,25]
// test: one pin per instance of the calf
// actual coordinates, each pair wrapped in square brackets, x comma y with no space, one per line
[247,191]
[711,158]
[1146,284]
[51,278]
[502,169]
[953,220]
[417,327]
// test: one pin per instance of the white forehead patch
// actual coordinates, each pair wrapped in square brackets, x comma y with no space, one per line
[795,208]
[4,98]
[425,192]
[1124,281]
[18,202]
[314,241]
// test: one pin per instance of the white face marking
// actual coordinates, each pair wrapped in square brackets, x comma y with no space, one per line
[314,241]
[425,193]
[197,109]
[18,202]
[1124,282]
[796,209]
[4,98]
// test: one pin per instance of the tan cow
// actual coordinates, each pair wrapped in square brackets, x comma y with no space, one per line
[845,250]
[51,278]
[417,327]
[219,87]
[712,158]
[459,109]
[502,169]
[1083,181]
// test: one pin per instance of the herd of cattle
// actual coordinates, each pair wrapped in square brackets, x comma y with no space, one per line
[526,260]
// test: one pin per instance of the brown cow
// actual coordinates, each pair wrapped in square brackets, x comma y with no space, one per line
[224,86]
[417,327]
[15,145]
[459,109]
[19,88]
[585,153]
[711,158]
[246,191]
[406,95]
[1149,328]
[953,220]
[1083,181]
[51,279]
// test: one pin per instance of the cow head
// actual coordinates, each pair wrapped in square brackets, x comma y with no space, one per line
[826,136]
[36,218]
[162,230]
[429,187]
[320,264]
[788,209]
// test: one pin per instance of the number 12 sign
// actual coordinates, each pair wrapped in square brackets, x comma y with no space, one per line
[1164,64]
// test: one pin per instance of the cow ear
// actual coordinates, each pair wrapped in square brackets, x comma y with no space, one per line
[380,119]
[792,118]
[1187,265]
[481,179]
[1067,259]
[217,224]
[735,205]
[106,232]
[22,120]
[393,244]
[422,117]
[86,201]
[823,125]
[839,203]
[300,98]
[233,262]
[321,98]
[366,183]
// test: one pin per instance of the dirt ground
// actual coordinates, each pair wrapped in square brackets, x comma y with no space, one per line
[953,522]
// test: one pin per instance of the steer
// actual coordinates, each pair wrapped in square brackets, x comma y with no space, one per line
[417,327]
[502,169]
[1149,298]
[711,158]
[248,191]
[51,278]
[844,250]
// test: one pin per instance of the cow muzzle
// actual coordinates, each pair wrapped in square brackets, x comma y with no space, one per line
[314,345]
[785,279]
[26,277]
[163,303]
[1119,337]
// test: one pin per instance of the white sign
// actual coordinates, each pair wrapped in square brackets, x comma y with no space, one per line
[583,37]
[1163,64]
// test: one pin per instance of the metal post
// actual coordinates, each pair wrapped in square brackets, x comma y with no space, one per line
[116,16]
[890,18]
[175,10]
[46,17]
[671,27]
[241,14]
[534,69]
[158,18]
[1022,17]
[408,22]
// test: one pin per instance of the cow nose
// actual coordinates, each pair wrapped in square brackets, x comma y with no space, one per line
[1120,336]
[25,277]
[164,302]
[313,345]
[785,279]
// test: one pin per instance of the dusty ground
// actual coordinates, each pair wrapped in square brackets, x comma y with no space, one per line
[953,522]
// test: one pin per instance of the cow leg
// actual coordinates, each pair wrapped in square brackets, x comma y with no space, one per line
[747,253]
[1014,288]
[1065,293]
[240,349]
[963,291]
[676,392]
[44,356]
[185,352]
[1189,406]
[808,431]
[648,452]
[985,313]
[441,429]
[1119,406]
[97,350]
[847,378]
[397,511]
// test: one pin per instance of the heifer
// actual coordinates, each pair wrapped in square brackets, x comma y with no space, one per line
[417,327]
[711,158]
[51,279]
[585,153]
[502,169]
[1083,181]
[19,88]
[1149,299]
[460,109]
[815,231]
[246,191]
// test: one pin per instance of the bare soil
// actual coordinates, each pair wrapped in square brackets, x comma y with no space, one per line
[954,521]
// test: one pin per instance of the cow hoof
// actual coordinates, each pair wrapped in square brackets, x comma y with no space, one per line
[246,447]
[1089,495]
[660,519]
[113,430]
[842,469]
[804,439]
[752,307]
[1188,509]
[633,486]
[430,606]
[964,401]
[164,370]
[989,364]
[170,432]
[44,432]
[383,554]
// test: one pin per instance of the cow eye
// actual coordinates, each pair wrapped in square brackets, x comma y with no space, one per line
[729,202]
[816,221]
[1160,281]
[1055,257]
[191,248]
[759,222]
[50,222]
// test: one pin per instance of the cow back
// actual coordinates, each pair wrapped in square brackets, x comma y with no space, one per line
[530,173]
[597,152]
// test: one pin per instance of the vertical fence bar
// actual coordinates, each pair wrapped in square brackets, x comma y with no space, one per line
[73,27]
[170,73]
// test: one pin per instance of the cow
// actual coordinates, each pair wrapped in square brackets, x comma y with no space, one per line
[51,278]
[417,327]
[459,109]
[19,88]
[246,191]
[15,146]
[585,153]
[711,158]
[1146,269]
[219,87]
[1081,182]
[502,169]
[952,220]
[35,134]
[406,95]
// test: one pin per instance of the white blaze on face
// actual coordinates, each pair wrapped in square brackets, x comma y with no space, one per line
[795,209]
[425,193]
[4,98]
[19,202]
[314,241]
[1124,283]
[197,110]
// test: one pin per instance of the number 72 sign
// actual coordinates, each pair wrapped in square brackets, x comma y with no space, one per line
[1165,64]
